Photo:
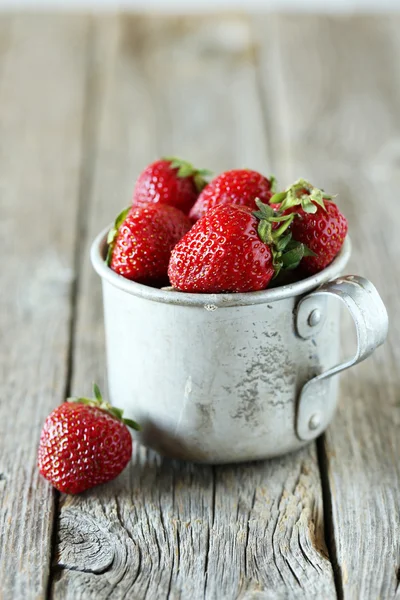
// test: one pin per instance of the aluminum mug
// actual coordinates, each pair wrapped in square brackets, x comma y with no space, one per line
[219,378]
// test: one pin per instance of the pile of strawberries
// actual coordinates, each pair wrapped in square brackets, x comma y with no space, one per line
[234,234]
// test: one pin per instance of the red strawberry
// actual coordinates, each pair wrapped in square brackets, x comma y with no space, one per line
[232,249]
[141,241]
[84,442]
[240,186]
[319,223]
[169,181]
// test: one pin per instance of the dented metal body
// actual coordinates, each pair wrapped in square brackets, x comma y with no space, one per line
[217,378]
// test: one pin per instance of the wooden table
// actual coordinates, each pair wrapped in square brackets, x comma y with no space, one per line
[85,103]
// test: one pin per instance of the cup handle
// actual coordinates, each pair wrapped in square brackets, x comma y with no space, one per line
[371,320]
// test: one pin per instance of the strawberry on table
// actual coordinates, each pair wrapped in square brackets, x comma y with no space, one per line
[141,241]
[239,186]
[170,181]
[233,249]
[319,224]
[84,442]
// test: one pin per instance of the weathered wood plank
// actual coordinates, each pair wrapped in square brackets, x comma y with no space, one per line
[42,73]
[339,83]
[165,529]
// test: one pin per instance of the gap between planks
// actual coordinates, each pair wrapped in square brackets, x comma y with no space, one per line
[85,182]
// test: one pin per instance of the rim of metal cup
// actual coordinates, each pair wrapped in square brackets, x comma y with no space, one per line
[209,301]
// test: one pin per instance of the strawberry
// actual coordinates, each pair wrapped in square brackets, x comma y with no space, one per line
[319,223]
[240,186]
[141,241]
[169,181]
[232,249]
[84,442]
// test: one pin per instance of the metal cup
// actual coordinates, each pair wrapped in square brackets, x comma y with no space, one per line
[220,378]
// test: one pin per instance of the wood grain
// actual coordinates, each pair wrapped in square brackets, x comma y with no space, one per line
[339,87]
[165,529]
[42,72]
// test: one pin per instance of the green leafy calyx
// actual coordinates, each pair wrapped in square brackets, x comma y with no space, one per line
[98,402]
[286,252]
[301,193]
[112,234]
[186,169]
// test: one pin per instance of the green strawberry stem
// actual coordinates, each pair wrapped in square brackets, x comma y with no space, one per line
[286,252]
[278,232]
[273,183]
[186,169]
[98,402]
[301,193]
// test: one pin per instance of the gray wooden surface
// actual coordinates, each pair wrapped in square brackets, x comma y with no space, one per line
[85,103]
[41,118]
